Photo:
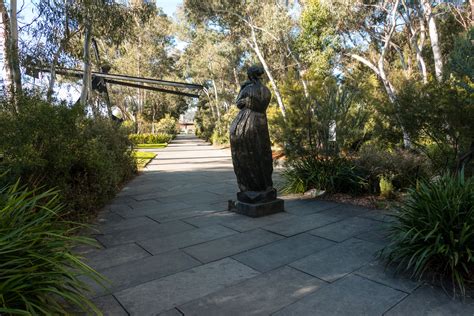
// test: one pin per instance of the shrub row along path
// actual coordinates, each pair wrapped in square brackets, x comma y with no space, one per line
[171,248]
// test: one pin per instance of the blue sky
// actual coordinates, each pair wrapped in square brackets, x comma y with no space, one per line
[169,6]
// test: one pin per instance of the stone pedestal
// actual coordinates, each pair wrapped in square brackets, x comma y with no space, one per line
[257,209]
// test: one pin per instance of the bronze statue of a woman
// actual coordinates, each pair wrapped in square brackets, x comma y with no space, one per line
[251,149]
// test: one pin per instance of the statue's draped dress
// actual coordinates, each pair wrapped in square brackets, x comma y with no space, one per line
[250,140]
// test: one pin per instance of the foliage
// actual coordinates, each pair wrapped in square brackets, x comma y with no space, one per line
[435,231]
[439,114]
[318,40]
[386,187]
[220,135]
[331,174]
[58,146]
[150,138]
[403,167]
[39,274]
[307,126]
[205,123]
[167,125]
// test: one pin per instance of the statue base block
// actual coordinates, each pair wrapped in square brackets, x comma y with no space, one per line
[257,209]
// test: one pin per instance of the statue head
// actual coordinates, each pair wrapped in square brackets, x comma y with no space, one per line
[255,72]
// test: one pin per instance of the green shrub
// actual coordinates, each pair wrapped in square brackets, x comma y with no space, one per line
[59,146]
[221,133]
[332,174]
[386,187]
[167,125]
[405,168]
[150,138]
[435,231]
[39,275]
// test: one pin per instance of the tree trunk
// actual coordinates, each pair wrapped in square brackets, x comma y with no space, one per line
[5,51]
[433,32]
[14,55]
[87,76]
[299,68]
[49,93]
[153,119]
[259,54]
[236,78]
[217,100]
[472,12]
[419,49]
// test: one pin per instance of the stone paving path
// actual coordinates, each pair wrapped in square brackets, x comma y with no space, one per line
[171,248]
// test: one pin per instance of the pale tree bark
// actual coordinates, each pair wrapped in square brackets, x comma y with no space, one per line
[379,69]
[210,105]
[236,79]
[262,60]
[255,47]
[416,41]
[217,100]
[5,50]
[295,58]
[14,55]
[87,76]
[472,12]
[52,71]
[434,39]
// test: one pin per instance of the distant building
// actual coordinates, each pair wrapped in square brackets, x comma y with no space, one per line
[186,123]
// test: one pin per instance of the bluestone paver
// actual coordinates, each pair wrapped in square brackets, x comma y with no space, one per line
[431,301]
[301,224]
[147,269]
[114,256]
[261,295]
[346,228]
[350,296]
[307,207]
[337,261]
[387,275]
[163,294]
[109,306]
[185,239]
[124,224]
[231,245]
[244,223]
[150,231]
[282,252]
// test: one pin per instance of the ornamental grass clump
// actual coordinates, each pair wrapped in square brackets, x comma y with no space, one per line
[331,174]
[434,234]
[39,274]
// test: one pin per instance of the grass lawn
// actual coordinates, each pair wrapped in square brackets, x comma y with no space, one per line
[143,158]
[163,145]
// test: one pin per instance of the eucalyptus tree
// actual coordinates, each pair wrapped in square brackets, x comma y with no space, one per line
[9,43]
[66,30]
[150,52]
[256,24]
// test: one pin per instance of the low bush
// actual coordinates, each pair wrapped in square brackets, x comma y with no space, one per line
[332,174]
[221,133]
[150,138]
[39,275]
[434,233]
[386,187]
[59,146]
[404,168]
[167,125]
